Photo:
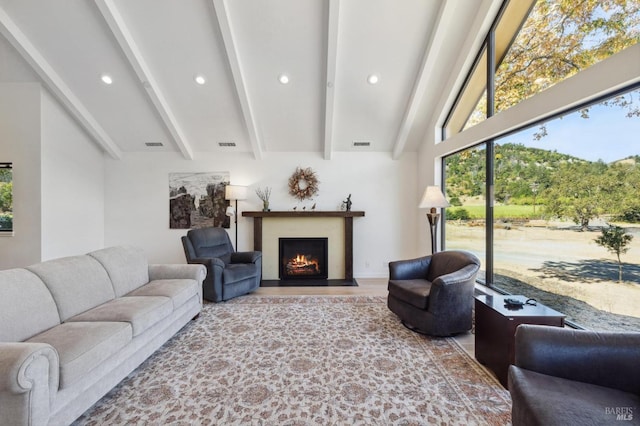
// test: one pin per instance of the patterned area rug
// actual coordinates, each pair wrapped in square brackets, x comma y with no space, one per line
[314,360]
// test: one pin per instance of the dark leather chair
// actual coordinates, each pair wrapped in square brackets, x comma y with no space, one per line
[570,377]
[434,294]
[229,273]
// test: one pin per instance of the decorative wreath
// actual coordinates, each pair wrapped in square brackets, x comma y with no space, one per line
[303,183]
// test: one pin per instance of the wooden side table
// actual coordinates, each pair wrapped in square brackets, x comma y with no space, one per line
[496,327]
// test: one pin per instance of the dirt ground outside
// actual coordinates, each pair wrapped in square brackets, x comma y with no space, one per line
[545,260]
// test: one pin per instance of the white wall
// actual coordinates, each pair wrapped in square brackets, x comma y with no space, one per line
[72,185]
[137,204]
[20,144]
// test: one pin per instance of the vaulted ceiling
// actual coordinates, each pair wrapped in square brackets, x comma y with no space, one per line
[154,49]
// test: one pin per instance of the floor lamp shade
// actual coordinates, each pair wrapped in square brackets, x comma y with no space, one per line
[432,199]
[235,192]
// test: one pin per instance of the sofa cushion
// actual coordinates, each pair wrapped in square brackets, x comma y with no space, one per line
[141,312]
[77,283]
[539,399]
[127,267]
[239,271]
[414,292]
[83,346]
[179,291]
[26,306]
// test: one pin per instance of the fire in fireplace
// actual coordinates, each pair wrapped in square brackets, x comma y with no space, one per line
[303,258]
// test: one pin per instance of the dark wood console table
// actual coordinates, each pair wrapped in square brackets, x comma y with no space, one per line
[348,229]
[496,327]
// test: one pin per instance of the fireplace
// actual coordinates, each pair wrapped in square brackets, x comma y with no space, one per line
[303,258]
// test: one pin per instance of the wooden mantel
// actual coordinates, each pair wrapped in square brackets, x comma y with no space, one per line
[348,229]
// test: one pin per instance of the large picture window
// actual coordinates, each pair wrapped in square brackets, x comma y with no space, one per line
[6,198]
[566,212]
[533,45]
[552,208]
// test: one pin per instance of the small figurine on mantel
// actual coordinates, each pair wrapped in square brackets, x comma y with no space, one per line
[346,204]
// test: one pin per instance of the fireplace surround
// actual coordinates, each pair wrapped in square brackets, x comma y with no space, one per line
[269,226]
[303,258]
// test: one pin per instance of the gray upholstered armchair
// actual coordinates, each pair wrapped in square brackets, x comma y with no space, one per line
[569,377]
[434,294]
[229,273]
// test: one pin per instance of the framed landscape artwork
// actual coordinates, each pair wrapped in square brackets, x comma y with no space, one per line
[196,200]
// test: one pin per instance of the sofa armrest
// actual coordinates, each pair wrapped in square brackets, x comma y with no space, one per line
[410,269]
[209,262]
[607,359]
[29,377]
[196,272]
[246,256]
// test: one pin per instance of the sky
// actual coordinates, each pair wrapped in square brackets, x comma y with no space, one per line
[608,134]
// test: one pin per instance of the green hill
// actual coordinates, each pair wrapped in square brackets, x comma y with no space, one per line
[520,171]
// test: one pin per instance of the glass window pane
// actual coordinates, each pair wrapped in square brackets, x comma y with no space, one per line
[557,40]
[471,106]
[6,197]
[566,205]
[465,176]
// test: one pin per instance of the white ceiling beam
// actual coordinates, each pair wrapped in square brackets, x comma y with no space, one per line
[132,52]
[437,41]
[333,27]
[56,85]
[224,23]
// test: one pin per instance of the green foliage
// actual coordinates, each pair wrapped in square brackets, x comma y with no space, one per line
[631,215]
[559,39]
[5,175]
[455,201]
[583,191]
[525,172]
[519,171]
[616,240]
[6,197]
[546,183]
[578,191]
[458,214]
[6,222]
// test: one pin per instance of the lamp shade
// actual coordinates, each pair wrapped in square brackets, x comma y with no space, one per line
[235,192]
[433,197]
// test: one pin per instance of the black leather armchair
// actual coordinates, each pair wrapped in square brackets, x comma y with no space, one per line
[434,294]
[229,273]
[570,377]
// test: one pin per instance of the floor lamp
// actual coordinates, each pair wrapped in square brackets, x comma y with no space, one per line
[431,199]
[235,192]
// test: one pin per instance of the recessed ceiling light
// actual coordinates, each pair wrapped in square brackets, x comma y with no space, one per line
[373,79]
[283,78]
[106,79]
[200,79]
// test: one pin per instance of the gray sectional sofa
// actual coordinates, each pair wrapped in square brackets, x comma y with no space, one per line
[73,328]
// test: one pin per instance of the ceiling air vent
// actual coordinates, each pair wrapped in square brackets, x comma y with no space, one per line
[224,144]
[361,144]
[154,144]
